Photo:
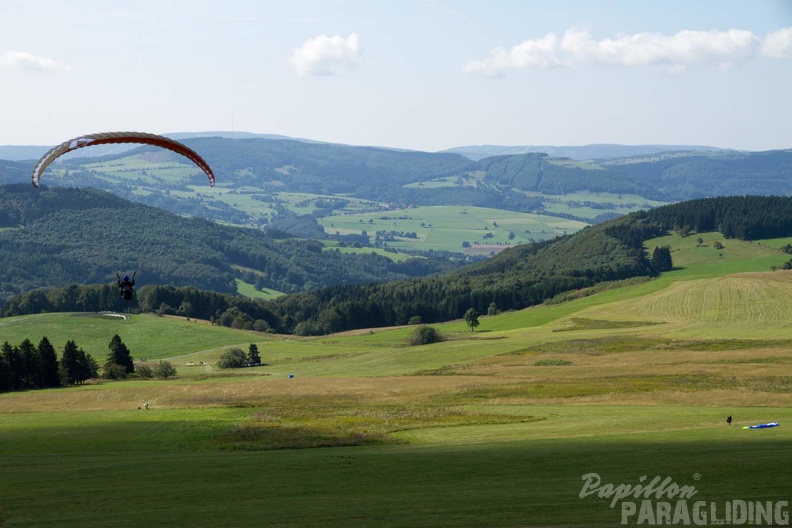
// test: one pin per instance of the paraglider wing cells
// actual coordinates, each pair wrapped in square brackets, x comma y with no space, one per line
[120,137]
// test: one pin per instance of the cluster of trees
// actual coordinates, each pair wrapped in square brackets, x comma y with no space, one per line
[237,358]
[27,366]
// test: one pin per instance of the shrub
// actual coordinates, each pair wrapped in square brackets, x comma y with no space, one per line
[425,335]
[114,371]
[232,358]
[144,371]
[164,370]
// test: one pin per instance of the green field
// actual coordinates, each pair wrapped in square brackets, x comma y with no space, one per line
[447,227]
[591,205]
[249,290]
[495,427]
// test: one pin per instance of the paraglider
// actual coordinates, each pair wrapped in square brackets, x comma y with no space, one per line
[120,137]
[125,286]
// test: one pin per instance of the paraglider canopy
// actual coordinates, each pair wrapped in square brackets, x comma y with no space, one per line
[761,426]
[103,138]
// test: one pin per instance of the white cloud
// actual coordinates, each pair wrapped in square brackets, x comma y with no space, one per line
[324,55]
[778,44]
[672,53]
[28,61]
[538,53]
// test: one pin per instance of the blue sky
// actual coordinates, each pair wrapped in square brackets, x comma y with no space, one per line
[417,74]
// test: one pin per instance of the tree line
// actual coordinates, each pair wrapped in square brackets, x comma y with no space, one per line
[741,217]
[28,366]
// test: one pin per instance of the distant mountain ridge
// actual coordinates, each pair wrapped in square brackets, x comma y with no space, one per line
[260,169]
[583,152]
[473,152]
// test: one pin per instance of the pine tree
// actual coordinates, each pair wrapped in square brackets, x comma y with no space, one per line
[70,364]
[5,373]
[14,362]
[30,364]
[48,364]
[76,365]
[119,355]
[661,259]
[253,355]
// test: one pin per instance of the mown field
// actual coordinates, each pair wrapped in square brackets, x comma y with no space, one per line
[490,428]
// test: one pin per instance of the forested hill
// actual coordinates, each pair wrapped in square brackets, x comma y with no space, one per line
[58,236]
[14,171]
[671,176]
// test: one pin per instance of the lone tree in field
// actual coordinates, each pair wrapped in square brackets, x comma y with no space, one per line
[119,355]
[253,355]
[472,318]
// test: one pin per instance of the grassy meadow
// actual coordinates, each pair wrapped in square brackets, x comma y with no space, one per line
[591,205]
[447,227]
[489,428]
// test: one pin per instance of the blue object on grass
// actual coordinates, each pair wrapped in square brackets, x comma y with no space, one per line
[761,426]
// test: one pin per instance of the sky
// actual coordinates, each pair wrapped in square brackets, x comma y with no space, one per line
[415,74]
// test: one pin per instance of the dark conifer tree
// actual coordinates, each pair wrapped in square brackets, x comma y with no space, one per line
[30,364]
[76,365]
[5,373]
[48,364]
[15,369]
[119,354]
[253,354]
[661,259]
[70,363]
